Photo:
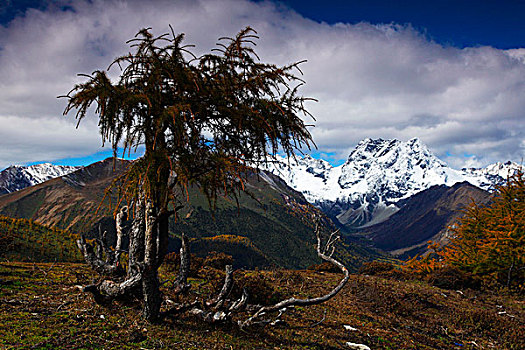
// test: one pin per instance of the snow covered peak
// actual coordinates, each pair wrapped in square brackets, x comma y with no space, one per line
[39,173]
[392,165]
[18,177]
[391,149]
[502,170]
[493,174]
[392,168]
[377,175]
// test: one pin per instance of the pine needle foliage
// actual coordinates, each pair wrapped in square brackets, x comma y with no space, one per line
[206,121]
[488,241]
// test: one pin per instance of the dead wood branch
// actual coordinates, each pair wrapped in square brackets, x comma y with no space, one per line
[100,256]
[181,284]
[107,290]
[285,304]
[219,300]
[180,308]
[240,304]
[94,259]
[216,309]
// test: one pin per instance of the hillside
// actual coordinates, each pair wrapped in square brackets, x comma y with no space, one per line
[424,216]
[25,240]
[41,308]
[68,202]
[268,227]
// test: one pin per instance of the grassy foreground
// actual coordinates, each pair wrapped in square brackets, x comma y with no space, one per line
[41,307]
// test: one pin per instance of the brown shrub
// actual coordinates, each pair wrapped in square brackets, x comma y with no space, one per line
[452,278]
[213,276]
[172,264]
[260,290]
[324,267]
[385,269]
[218,260]
[373,268]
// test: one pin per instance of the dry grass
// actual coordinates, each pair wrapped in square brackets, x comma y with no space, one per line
[41,308]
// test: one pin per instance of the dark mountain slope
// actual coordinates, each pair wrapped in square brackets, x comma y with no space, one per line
[425,216]
[268,227]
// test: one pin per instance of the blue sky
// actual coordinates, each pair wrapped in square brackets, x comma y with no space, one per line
[449,72]
[460,23]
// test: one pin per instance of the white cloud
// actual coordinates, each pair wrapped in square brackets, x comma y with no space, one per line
[371,81]
[44,139]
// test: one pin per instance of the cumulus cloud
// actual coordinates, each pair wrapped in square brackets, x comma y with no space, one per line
[384,81]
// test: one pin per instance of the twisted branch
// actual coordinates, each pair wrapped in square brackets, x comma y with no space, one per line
[285,304]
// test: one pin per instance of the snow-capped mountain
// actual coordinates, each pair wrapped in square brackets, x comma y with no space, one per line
[18,177]
[376,178]
[493,174]
[374,182]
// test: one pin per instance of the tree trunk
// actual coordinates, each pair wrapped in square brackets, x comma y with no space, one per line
[152,295]
[156,244]
[181,283]
[121,219]
[136,239]
[163,237]
[148,244]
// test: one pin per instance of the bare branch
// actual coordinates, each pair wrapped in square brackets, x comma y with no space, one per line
[311,301]
[240,304]
[181,283]
[218,301]
[94,259]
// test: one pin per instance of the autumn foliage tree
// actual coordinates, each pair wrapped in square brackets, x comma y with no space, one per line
[488,241]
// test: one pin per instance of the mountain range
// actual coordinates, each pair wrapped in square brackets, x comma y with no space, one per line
[17,177]
[269,227]
[389,194]
[377,178]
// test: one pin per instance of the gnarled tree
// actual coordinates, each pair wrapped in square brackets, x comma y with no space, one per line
[203,122]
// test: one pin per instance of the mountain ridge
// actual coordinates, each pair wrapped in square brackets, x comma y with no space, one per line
[18,177]
[377,178]
[325,185]
[271,218]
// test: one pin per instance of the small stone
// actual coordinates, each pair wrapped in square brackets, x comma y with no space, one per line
[357,346]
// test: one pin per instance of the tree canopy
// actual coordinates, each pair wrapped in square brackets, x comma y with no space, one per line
[203,121]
